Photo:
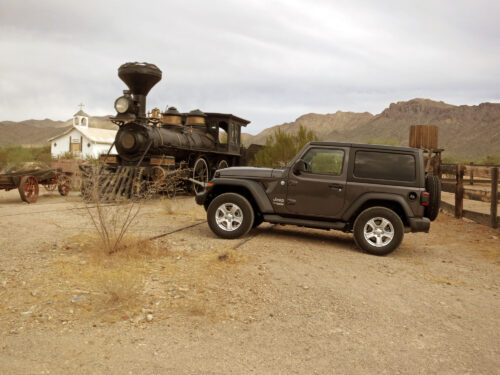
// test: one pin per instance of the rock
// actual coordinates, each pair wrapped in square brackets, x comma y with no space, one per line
[4,284]
[222,256]
[26,313]
[77,298]
[138,318]
[149,317]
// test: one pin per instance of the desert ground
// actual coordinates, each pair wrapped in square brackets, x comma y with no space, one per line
[288,301]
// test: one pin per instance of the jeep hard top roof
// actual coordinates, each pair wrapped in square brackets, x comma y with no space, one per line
[364,145]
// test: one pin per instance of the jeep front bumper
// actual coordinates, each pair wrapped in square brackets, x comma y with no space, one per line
[201,197]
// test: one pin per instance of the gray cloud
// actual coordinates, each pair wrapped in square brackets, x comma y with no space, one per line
[268,61]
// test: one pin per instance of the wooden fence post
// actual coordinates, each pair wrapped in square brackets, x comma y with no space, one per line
[494,197]
[471,174]
[459,192]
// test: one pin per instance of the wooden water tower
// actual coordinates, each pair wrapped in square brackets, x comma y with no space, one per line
[426,138]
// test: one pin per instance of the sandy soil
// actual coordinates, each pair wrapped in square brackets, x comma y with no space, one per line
[289,301]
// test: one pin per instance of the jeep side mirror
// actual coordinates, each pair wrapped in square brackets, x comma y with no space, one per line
[299,166]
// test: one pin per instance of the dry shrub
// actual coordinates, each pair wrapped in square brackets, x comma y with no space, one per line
[112,221]
[121,285]
[132,247]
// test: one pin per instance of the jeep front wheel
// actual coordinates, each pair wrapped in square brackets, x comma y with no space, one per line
[230,215]
[378,230]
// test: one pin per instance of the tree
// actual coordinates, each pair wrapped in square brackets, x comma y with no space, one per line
[281,147]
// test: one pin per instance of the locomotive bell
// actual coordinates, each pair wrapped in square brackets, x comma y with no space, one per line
[195,117]
[140,78]
[172,117]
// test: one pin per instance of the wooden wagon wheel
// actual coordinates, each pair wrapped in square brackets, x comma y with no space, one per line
[63,185]
[50,187]
[28,189]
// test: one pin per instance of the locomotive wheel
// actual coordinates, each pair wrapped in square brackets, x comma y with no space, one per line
[28,189]
[222,164]
[200,174]
[63,185]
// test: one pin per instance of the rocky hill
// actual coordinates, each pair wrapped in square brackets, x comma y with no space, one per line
[464,131]
[37,132]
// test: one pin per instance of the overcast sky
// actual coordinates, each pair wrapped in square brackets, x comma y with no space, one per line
[264,60]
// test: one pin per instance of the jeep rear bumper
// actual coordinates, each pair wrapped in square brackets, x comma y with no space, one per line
[419,224]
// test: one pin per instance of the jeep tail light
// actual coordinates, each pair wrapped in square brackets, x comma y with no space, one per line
[425,198]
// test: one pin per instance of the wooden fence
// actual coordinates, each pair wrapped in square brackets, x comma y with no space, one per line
[483,175]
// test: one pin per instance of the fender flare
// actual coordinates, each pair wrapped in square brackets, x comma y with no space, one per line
[380,197]
[256,190]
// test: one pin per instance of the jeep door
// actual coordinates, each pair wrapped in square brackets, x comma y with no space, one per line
[318,190]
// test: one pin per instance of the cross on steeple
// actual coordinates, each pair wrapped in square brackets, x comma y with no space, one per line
[81,105]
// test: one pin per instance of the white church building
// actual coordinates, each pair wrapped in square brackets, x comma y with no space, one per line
[82,141]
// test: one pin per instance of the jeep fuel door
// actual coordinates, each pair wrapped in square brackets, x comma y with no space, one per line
[318,188]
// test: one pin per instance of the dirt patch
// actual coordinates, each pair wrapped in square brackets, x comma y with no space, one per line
[290,300]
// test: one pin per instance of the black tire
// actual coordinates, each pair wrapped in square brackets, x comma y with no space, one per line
[433,186]
[242,210]
[376,215]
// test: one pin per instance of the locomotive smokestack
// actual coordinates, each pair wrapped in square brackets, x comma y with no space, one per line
[140,78]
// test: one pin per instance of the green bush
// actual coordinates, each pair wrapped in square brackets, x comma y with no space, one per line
[281,147]
[15,155]
[490,159]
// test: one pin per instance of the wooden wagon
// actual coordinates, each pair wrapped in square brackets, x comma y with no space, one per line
[28,181]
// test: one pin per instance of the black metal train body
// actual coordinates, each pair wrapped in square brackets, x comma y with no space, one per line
[158,143]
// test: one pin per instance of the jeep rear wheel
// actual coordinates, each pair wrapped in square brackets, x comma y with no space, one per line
[378,230]
[433,186]
[230,215]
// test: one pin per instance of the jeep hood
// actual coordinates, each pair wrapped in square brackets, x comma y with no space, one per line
[250,172]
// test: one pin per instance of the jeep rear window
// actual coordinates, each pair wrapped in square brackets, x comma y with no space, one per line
[384,166]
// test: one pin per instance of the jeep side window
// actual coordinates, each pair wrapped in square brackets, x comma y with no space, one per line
[324,161]
[384,166]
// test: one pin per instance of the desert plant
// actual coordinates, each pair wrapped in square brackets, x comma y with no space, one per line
[281,147]
[111,220]
[15,155]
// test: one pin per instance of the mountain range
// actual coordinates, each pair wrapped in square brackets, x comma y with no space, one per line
[464,131]
[37,132]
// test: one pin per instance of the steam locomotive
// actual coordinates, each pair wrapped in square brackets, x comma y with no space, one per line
[155,147]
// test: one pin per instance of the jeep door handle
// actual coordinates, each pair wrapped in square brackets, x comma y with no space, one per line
[336,186]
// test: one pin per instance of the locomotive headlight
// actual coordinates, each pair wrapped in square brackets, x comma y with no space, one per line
[122,104]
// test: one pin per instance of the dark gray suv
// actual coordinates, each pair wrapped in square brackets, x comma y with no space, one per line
[376,192]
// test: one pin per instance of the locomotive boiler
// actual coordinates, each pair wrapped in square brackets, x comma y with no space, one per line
[165,151]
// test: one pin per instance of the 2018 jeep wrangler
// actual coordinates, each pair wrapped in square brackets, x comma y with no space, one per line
[376,192]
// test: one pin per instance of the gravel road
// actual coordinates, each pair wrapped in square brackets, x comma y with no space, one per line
[289,301]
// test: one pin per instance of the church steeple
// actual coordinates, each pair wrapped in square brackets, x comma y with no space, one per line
[80,118]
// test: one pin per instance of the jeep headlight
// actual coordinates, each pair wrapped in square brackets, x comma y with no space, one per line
[122,104]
